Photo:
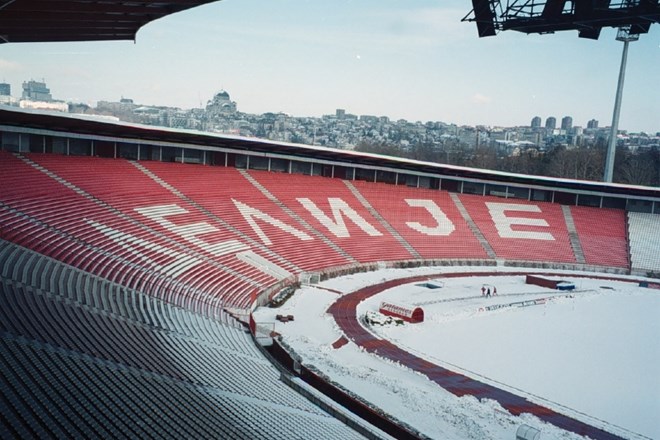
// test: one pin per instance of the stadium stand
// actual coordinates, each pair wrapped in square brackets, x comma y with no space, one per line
[196,234]
[90,216]
[103,361]
[122,186]
[118,279]
[427,219]
[521,230]
[330,207]
[602,234]
[228,196]
[644,242]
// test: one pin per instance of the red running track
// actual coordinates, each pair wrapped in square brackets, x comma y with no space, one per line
[344,310]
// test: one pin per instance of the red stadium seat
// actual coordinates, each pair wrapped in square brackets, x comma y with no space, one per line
[602,234]
[196,234]
[521,230]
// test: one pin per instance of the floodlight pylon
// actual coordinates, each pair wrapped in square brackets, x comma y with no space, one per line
[622,35]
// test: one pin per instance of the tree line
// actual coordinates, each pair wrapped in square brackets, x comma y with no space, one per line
[583,163]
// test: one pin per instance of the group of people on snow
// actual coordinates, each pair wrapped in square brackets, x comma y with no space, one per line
[486,291]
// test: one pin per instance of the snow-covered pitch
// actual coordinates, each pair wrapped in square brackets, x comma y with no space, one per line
[591,354]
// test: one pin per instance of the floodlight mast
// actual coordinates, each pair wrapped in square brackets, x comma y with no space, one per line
[622,35]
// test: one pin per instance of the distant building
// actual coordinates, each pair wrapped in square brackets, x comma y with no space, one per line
[536,122]
[8,100]
[551,123]
[5,95]
[115,108]
[593,124]
[368,119]
[78,107]
[566,123]
[340,113]
[58,106]
[36,91]
[220,105]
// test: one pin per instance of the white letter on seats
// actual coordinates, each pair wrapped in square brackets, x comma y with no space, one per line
[504,223]
[132,244]
[249,213]
[444,226]
[188,232]
[339,209]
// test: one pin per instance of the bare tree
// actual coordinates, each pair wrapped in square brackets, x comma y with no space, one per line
[639,169]
[588,164]
[559,163]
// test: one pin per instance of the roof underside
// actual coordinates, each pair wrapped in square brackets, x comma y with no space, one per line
[81,20]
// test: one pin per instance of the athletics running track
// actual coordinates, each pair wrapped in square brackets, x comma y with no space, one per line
[344,310]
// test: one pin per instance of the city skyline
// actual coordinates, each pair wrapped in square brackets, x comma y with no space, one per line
[338,113]
[415,61]
[5,89]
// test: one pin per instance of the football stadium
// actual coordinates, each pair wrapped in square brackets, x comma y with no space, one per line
[164,283]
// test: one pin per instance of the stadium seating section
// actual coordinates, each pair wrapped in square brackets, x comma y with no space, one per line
[332,210]
[203,237]
[537,232]
[218,190]
[644,242]
[604,241]
[83,357]
[116,278]
[405,206]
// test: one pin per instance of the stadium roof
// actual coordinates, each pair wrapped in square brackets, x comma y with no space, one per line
[81,20]
[588,17]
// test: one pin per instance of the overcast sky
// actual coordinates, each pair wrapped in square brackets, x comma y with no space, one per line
[409,59]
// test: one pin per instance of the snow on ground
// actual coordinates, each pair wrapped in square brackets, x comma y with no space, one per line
[594,357]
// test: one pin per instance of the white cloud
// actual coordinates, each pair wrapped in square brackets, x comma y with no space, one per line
[10,66]
[478,98]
